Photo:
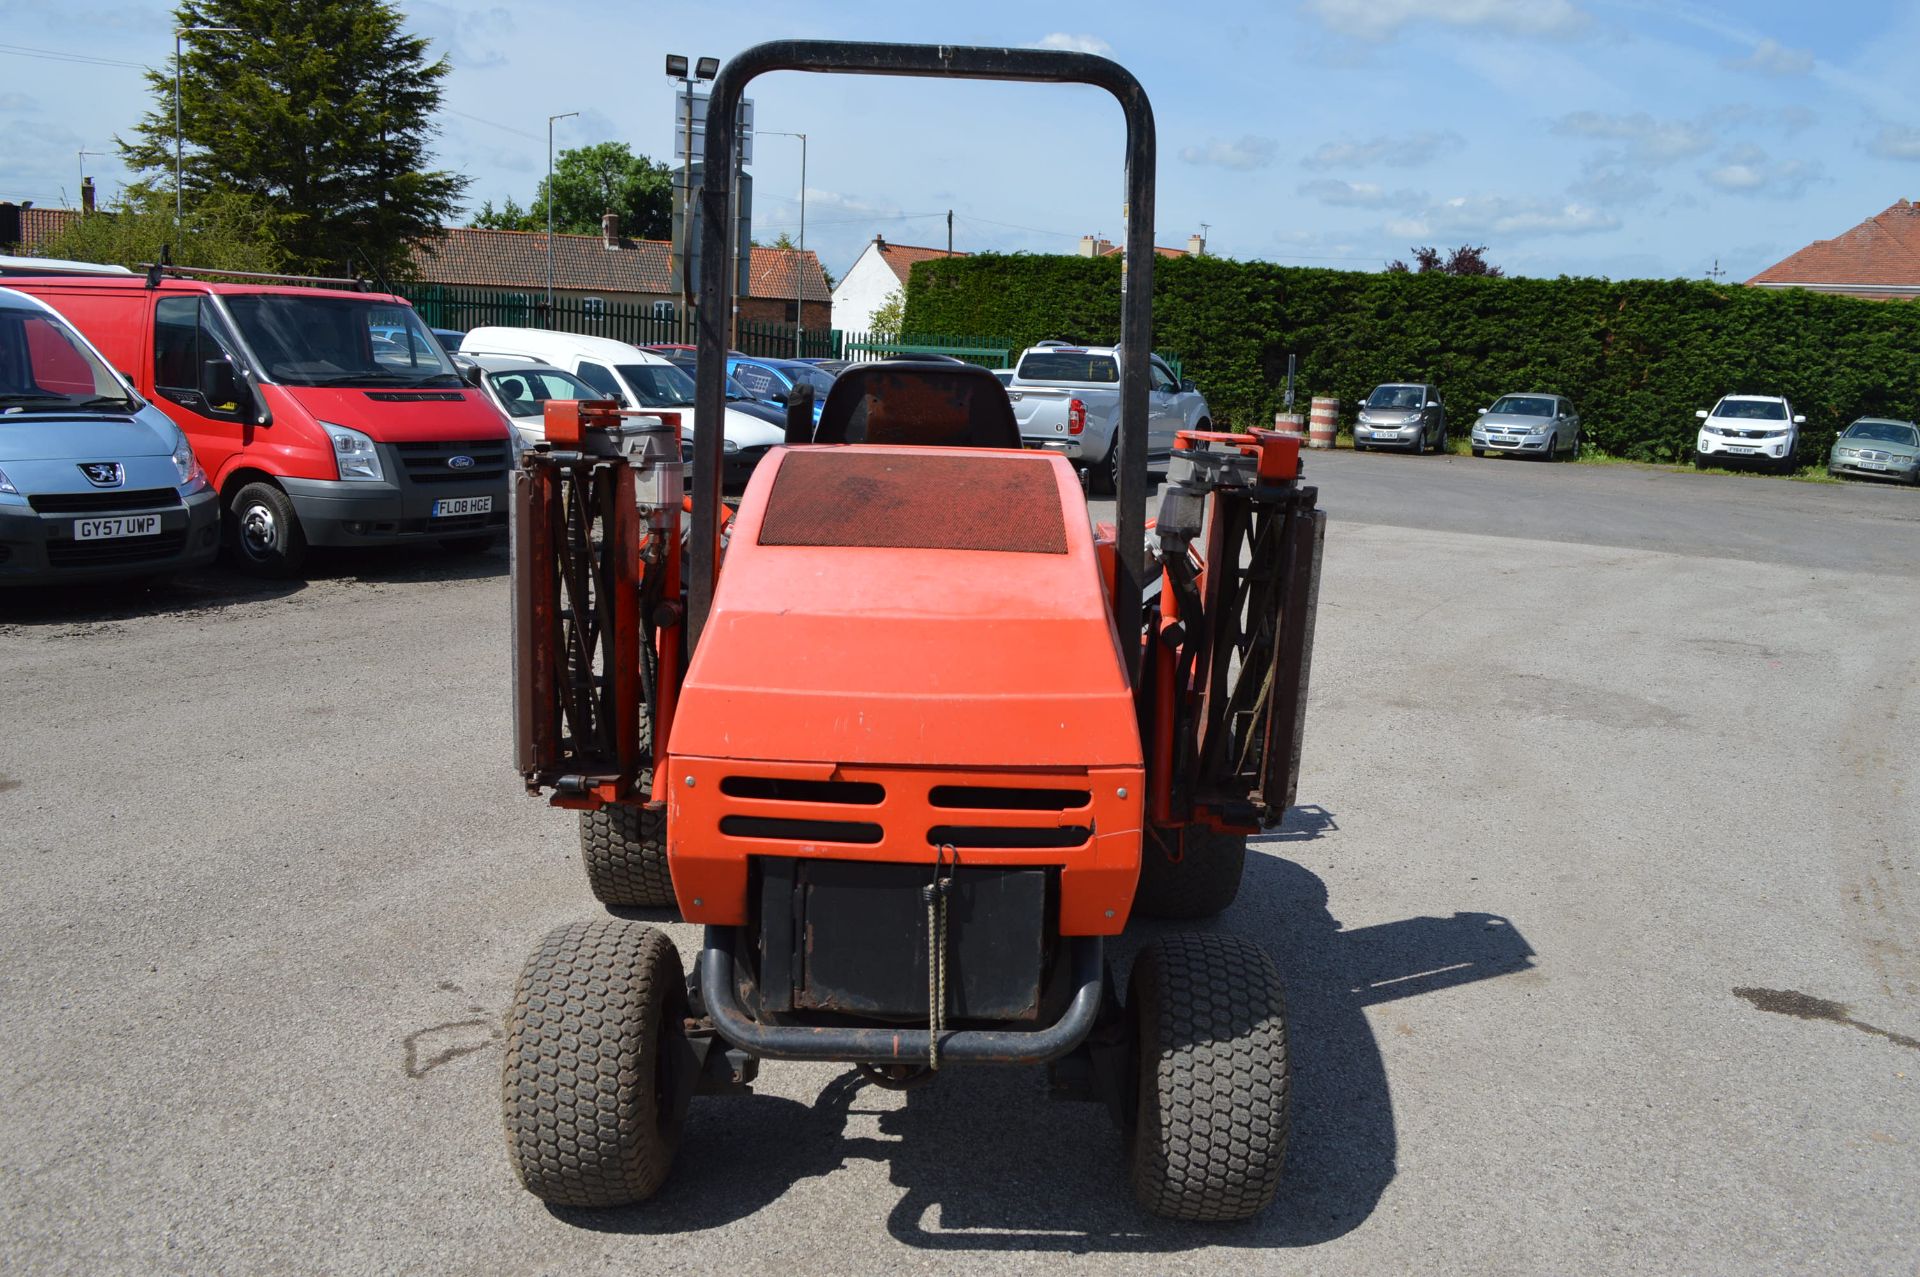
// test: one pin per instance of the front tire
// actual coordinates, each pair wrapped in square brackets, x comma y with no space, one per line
[598,1074]
[1210,1122]
[1189,872]
[263,532]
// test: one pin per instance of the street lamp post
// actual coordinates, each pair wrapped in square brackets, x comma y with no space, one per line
[677,69]
[565,115]
[799,294]
[180,33]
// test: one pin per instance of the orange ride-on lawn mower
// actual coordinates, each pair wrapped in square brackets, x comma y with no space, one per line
[910,740]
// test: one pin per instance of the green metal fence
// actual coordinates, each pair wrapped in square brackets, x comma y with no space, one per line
[666,322]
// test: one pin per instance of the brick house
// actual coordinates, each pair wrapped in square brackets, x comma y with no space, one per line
[1878,259]
[37,227]
[784,284]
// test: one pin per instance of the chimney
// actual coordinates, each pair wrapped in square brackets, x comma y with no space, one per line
[880,240]
[86,196]
[1089,246]
[610,230]
[1196,246]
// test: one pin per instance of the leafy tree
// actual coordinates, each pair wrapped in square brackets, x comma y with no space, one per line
[1464,260]
[589,181]
[891,317]
[319,111]
[220,231]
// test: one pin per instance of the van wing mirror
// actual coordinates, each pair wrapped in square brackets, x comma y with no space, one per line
[470,372]
[1799,421]
[1700,413]
[220,384]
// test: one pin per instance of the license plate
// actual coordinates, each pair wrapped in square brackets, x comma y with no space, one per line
[1386,434]
[123,525]
[1872,465]
[462,505]
[1743,452]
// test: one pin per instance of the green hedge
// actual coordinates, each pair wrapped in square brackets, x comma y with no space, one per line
[1637,357]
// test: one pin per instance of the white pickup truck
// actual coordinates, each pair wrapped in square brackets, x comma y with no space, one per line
[1067,400]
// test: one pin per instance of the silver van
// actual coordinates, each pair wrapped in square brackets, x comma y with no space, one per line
[94,480]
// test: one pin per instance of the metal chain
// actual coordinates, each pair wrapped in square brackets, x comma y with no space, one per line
[935,894]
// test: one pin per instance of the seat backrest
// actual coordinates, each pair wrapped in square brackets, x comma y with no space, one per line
[936,403]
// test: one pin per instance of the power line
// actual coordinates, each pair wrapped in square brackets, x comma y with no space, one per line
[492,124]
[61,55]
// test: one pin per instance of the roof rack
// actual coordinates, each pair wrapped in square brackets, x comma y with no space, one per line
[156,271]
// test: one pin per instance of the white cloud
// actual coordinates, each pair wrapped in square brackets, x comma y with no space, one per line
[1747,170]
[1341,194]
[1383,19]
[1770,57]
[1397,152]
[1249,152]
[17,102]
[1648,140]
[1074,43]
[1896,142]
[1610,183]
[1495,216]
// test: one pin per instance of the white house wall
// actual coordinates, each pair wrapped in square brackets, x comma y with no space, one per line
[862,291]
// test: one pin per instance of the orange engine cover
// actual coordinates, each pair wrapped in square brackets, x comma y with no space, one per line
[908,647]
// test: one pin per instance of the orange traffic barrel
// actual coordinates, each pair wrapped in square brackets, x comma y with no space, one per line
[1326,413]
[1287,421]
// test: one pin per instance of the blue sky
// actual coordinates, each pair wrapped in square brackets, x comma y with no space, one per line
[1609,137]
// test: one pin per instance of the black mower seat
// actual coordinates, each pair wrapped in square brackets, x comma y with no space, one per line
[927,402]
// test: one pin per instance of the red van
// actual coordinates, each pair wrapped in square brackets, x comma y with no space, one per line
[324,416]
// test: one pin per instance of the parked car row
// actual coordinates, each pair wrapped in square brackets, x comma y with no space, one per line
[146,420]
[1761,430]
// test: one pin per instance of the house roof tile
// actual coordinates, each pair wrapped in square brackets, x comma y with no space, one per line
[469,256]
[1881,252]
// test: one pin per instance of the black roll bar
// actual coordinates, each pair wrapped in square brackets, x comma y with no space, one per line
[716,274]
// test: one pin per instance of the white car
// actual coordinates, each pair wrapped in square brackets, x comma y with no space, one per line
[638,378]
[520,388]
[1758,430]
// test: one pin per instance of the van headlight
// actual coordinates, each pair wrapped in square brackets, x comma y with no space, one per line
[354,454]
[187,466]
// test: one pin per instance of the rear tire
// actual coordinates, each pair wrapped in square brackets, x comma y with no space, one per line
[1103,480]
[1202,882]
[263,532]
[1209,1137]
[624,848]
[597,1074]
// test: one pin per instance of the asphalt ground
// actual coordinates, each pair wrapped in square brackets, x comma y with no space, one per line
[1590,751]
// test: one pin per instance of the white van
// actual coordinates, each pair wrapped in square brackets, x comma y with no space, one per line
[638,378]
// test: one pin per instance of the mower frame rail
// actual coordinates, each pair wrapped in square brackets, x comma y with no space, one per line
[906,1044]
[1044,66]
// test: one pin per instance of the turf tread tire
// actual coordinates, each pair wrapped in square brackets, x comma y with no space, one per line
[624,848]
[594,1008]
[1211,1121]
[1201,883]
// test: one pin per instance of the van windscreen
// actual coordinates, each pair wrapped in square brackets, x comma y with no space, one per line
[338,341]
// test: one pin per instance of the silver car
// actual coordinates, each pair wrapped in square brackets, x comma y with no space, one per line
[520,388]
[1402,415]
[1537,424]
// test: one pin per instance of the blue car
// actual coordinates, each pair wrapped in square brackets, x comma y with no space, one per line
[94,480]
[772,380]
